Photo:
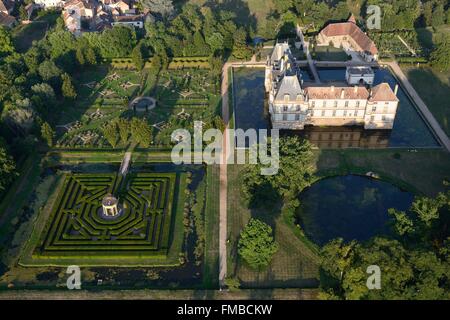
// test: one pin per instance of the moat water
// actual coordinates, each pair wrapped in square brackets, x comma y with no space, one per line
[350,207]
[409,130]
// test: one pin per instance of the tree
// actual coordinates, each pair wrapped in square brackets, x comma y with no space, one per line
[23,14]
[33,58]
[216,42]
[240,48]
[440,57]
[68,89]
[90,56]
[406,274]
[48,70]
[201,48]
[61,42]
[162,7]
[80,56]
[110,133]
[294,174]
[137,56]
[141,132]
[7,168]
[44,91]
[47,133]
[117,42]
[438,16]
[256,244]
[233,284]
[6,43]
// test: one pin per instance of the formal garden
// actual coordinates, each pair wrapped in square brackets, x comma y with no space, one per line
[166,100]
[77,231]
[158,238]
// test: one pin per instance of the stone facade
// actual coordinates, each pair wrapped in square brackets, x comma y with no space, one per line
[294,104]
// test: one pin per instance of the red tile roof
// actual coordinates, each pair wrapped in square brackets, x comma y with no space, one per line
[333,93]
[382,92]
[352,30]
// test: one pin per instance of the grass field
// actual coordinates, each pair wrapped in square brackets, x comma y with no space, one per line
[420,171]
[211,265]
[434,88]
[25,34]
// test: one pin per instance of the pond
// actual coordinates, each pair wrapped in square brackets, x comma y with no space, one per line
[409,130]
[249,94]
[351,207]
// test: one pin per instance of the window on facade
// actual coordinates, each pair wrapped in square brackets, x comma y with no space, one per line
[284,117]
[297,108]
[346,104]
[372,118]
[285,108]
[335,104]
[297,117]
[324,104]
[374,108]
[313,104]
[385,109]
[323,113]
[334,113]
[383,118]
[358,103]
[345,113]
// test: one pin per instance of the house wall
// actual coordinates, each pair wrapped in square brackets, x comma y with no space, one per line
[49,3]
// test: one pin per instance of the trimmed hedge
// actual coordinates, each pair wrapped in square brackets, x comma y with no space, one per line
[75,229]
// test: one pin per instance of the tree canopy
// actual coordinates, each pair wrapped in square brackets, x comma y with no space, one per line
[256,244]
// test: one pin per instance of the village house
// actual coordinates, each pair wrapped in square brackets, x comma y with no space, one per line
[6,8]
[293,104]
[90,15]
[349,36]
[46,4]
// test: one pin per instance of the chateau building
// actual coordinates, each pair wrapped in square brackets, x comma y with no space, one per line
[294,104]
[349,36]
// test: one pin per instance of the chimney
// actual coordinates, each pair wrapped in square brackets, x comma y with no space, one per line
[342,93]
[396,89]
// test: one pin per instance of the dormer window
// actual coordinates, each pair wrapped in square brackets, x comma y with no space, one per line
[286,97]
[299,97]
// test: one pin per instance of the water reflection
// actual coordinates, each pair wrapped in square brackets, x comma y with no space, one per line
[351,207]
[343,137]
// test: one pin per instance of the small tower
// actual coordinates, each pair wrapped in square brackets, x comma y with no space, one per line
[109,204]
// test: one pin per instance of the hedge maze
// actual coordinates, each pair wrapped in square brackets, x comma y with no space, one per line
[76,228]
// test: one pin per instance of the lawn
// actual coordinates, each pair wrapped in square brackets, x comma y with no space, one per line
[296,262]
[434,88]
[420,171]
[25,34]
